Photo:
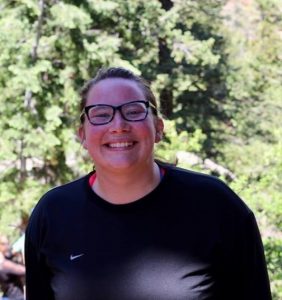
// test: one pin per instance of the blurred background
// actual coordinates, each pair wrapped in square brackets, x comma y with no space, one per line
[215,67]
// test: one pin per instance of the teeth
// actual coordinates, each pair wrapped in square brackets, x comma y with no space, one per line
[120,145]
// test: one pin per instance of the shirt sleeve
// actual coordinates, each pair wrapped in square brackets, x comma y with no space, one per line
[252,275]
[38,285]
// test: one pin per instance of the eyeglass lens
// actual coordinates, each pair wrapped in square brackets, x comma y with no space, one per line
[133,111]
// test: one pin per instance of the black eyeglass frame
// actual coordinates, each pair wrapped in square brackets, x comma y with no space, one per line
[115,108]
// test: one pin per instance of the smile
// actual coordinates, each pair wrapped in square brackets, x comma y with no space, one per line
[120,145]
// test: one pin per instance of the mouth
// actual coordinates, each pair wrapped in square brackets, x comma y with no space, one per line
[120,145]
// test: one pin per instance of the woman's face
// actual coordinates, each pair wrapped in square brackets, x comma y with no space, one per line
[120,144]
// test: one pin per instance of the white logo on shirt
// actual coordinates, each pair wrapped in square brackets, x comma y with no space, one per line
[72,257]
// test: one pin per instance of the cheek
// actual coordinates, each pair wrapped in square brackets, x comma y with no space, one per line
[148,132]
[92,135]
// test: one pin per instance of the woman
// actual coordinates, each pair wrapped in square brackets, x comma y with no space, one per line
[135,229]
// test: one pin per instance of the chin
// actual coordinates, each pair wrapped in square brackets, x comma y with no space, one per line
[122,165]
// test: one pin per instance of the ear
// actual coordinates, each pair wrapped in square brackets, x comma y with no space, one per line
[159,130]
[81,136]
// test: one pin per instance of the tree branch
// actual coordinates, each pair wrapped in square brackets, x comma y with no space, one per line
[38,31]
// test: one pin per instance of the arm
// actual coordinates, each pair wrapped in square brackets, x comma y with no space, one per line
[38,285]
[254,277]
[9,267]
[242,263]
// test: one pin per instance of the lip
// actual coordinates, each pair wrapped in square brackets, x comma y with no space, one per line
[120,145]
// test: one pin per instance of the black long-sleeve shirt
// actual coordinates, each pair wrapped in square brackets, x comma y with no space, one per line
[191,238]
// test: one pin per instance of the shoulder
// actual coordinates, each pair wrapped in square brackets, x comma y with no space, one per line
[193,178]
[56,208]
[60,199]
[66,192]
[205,190]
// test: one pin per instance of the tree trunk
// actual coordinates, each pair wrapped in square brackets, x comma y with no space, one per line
[166,95]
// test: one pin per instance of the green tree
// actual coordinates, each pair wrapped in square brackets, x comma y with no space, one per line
[215,67]
[48,49]
[253,152]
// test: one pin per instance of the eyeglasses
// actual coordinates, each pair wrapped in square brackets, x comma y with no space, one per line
[134,111]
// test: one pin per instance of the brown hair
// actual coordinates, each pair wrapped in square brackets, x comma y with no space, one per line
[117,72]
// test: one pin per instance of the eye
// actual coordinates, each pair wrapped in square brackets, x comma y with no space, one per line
[134,109]
[100,113]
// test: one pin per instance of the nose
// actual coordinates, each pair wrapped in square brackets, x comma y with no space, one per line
[119,124]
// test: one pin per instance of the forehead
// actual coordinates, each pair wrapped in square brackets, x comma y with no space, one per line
[114,91]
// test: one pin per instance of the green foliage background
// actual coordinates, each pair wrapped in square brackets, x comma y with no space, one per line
[215,67]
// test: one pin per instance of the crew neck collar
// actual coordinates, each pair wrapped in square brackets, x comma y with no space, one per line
[139,203]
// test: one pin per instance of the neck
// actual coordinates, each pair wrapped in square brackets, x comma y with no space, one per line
[114,187]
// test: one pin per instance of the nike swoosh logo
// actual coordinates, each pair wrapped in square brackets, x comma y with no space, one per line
[72,257]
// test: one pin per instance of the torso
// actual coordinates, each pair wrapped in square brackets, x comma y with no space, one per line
[166,245]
